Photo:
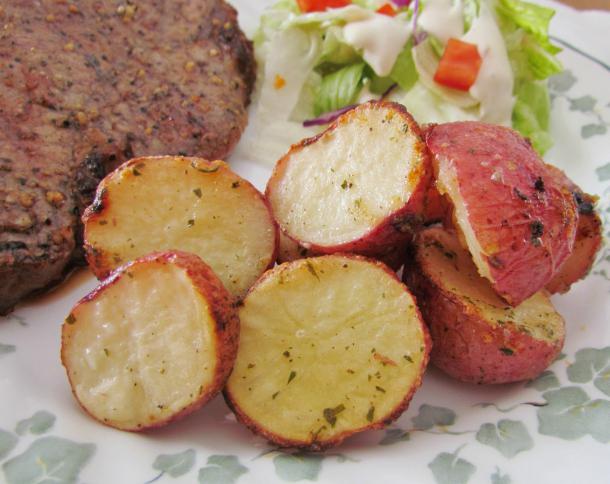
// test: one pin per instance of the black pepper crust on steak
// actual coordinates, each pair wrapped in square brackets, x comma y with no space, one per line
[88,84]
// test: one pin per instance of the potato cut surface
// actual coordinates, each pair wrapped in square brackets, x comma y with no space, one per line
[338,187]
[144,348]
[329,346]
[517,221]
[189,204]
[448,264]
[476,336]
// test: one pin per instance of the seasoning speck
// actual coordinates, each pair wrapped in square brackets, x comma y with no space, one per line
[537,230]
[330,414]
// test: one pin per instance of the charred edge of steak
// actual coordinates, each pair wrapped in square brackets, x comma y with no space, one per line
[31,280]
[229,33]
[35,274]
[89,174]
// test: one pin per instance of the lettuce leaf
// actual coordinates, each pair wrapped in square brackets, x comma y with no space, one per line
[531,113]
[272,20]
[532,18]
[525,29]
[470,9]
[378,85]
[404,72]
[339,89]
[370,4]
[335,50]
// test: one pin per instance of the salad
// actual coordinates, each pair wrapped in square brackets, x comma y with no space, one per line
[445,60]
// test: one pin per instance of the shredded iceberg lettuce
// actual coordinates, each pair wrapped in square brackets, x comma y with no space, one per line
[328,60]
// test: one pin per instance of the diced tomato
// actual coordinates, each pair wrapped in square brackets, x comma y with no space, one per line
[459,66]
[387,9]
[307,6]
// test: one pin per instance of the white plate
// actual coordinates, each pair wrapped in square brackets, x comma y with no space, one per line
[555,429]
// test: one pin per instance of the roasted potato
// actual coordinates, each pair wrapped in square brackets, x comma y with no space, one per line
[476,336]
[178,203]
[154,342]
[518,223]
[588,241]
[358,187]
[329,346]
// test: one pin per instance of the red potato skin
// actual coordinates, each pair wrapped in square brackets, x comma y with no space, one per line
[587,245]
[525,227]
[100,263]
[397,228]
[393,256]
[321,445]
[223,309]
[437,208]
[468,348]
[588,241]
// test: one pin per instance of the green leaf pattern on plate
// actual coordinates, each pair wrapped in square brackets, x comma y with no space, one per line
[297,467]
[571,414]
[562,82]
[37,424]
[221,469]
[8,441]
[48,459]
[6,349]
[592,365]
[393,436]
[509,437]
[451,469]
[593,129]
[559,86]
[545,381]
[583,104]
[603,172]
[430,416]
[175,465]
[499,478]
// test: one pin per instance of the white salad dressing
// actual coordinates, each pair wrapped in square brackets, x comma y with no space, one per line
[380,38]
[495,82]
[443,19]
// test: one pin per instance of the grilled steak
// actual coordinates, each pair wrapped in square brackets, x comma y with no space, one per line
[86,85]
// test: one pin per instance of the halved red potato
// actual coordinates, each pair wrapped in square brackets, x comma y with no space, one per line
[178,203]
[476,336]
[588,241]
[154,342]
[359,186]
[329,346]
[518,223]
